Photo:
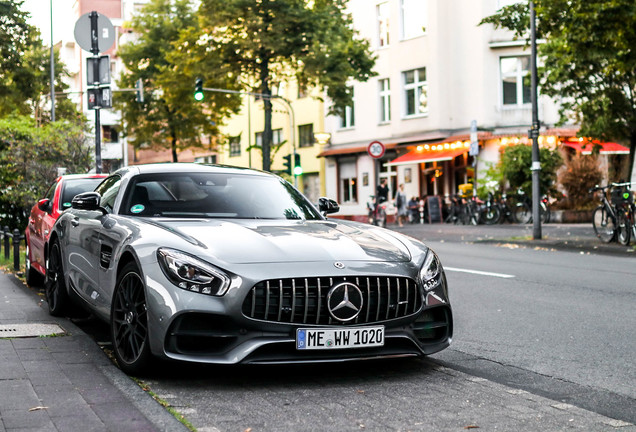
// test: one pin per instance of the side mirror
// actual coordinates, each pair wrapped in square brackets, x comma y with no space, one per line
[45,205]
[327,206]
[87,201]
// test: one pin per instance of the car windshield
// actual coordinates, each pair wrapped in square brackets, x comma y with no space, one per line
[215,195]
[73,187]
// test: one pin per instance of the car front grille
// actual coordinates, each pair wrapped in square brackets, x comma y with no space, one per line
[304,300]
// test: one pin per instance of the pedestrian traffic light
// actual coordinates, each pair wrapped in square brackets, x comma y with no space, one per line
[298,170]
[288,164]
[198,89]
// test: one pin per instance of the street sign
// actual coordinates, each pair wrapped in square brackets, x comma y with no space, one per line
[105,34]
[99,97]
[474,142]
[101,65]
[376,149]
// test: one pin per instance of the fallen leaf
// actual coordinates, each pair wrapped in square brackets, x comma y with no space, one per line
[248,430]
[360,391]
[471,427]
[38,408]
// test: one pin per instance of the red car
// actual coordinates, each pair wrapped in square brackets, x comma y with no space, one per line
[45,213]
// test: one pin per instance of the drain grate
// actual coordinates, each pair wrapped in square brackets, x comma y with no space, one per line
[29,330]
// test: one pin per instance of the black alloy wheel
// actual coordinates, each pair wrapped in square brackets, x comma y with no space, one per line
[54,286]
[129,321]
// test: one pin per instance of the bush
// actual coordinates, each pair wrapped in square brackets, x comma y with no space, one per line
[580,174]
[516,161]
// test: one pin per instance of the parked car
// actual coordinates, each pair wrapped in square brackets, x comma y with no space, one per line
[44,214]
[228,265]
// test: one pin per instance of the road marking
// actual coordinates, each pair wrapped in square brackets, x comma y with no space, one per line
[483,273]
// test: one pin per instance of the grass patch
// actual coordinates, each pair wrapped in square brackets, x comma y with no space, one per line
[165,404]
[6,265]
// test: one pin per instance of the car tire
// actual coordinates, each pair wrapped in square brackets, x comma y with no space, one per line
[129,321]
[33,277]
[55,285]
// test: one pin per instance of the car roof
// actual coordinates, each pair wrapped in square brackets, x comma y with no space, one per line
[190,167]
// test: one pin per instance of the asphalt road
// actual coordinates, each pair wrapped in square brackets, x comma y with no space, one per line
[543,341]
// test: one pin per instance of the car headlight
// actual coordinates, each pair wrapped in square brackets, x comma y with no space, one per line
[430,271]
[192,274]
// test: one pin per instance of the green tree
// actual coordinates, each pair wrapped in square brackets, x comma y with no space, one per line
[516,161]
[267,42]
[589,61]
[25,70]
[29,158]
[169,117]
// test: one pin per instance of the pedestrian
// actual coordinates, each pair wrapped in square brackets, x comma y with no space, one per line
[401,205]
[414,209]
[382,193]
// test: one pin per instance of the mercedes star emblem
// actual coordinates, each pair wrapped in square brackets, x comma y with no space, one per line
[345,301]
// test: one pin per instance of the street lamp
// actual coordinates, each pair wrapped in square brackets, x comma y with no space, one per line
[322,138]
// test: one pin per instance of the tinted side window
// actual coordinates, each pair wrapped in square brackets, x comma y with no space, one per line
[108,190]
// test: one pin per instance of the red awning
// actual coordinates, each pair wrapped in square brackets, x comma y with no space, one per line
[415,156]
[606,147]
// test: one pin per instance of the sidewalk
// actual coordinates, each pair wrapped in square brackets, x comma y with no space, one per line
[575,237]
[63,382]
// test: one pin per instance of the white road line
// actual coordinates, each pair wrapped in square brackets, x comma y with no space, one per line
[483,273]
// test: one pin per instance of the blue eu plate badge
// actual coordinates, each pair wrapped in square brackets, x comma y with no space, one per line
[300,339]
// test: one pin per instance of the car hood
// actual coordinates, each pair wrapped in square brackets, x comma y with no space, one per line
[247,242]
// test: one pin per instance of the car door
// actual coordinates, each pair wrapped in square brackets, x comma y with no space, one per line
[40,223]
[84,247]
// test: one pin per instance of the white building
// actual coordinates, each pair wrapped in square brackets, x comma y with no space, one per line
[437,71]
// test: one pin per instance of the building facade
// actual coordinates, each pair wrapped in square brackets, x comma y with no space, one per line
[438,71]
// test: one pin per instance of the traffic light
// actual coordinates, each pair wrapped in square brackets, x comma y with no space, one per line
[298,170]
[198,89]
[288,164]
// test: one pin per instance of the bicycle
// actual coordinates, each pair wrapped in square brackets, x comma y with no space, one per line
[623,200]
[604,218]
[523,208]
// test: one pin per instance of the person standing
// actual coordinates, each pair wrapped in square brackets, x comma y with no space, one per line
[401,205]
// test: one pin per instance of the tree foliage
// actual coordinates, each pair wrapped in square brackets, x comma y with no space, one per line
[25,70]
[267,42]
[169,117]
[515,164]
[580,173]
[589,61]
[29,158]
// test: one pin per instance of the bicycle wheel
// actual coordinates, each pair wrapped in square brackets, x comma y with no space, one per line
[522,213]
[491,215]
[623,227]
[604,224]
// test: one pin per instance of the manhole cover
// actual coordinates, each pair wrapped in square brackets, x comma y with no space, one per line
[29,330]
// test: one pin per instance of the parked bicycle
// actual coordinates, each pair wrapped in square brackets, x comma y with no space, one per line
[523,208]
[605,216]
[622,199]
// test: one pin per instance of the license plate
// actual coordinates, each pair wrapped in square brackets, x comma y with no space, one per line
[355,337]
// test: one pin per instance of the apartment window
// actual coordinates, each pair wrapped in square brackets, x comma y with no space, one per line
[277,137]
[515,80]
[348,182]
[347,119]
[502,3]
[306,135]
[414,18]
[382,12]
[109,134]
[415,92]
[235,146]
[385,100]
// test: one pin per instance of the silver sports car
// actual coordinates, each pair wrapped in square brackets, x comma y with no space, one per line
[227,265]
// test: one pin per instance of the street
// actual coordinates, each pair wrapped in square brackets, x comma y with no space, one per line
[539,334]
